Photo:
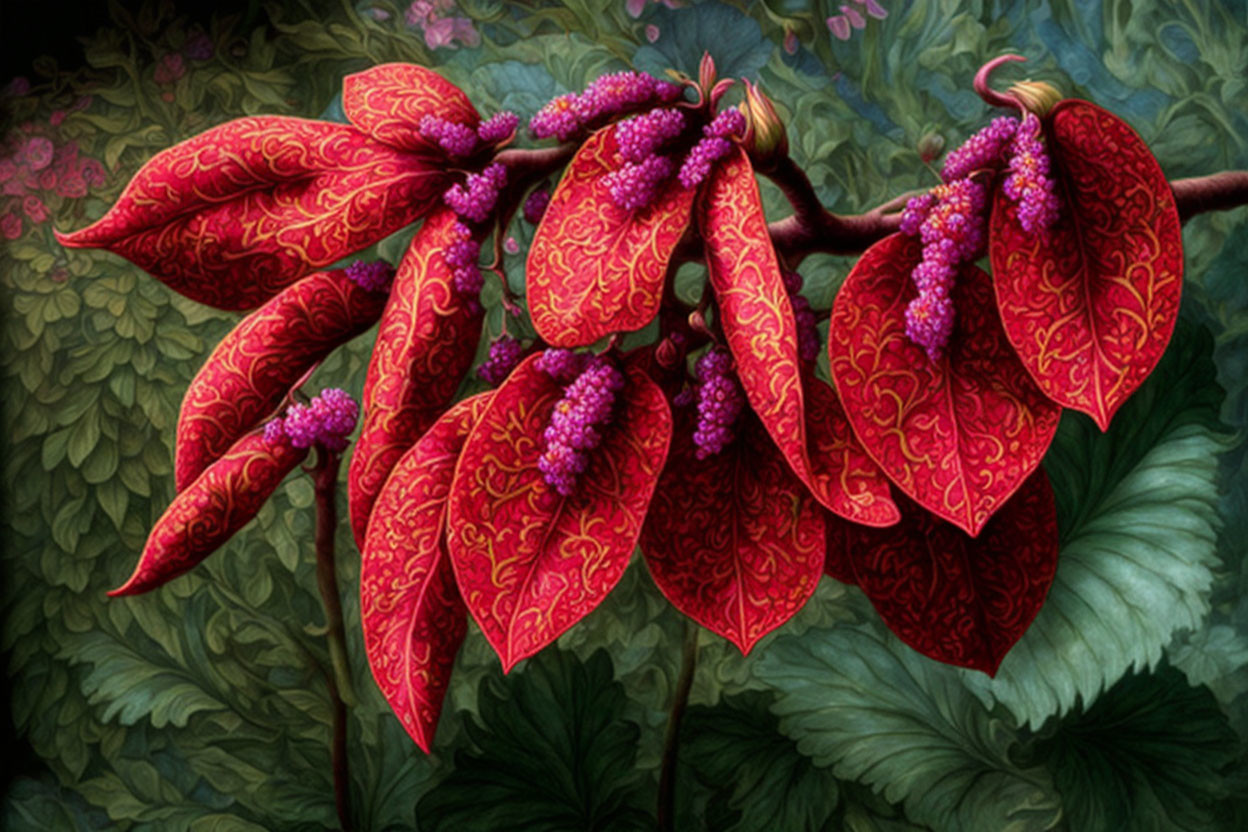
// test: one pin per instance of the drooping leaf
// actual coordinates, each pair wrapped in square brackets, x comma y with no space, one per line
[531,563]
[552,752]
[960,599]
[425,344]
[759,779]
[734,541]
[760,329]
[253,368]
[1152,753]
[1137,507]
[876,711]
[231,216]
[1090,305]
[413,618]
[388,102]
[595,268]
[958,435]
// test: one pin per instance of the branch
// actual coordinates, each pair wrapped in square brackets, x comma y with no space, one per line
[671,737]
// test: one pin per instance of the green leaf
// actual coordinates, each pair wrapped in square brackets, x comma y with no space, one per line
[760,779]
[550,754]
[1150,754]
[1138,508]
[857,699]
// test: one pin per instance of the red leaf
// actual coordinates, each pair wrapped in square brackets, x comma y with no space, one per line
[529,562]
[388,101]
[958,436]
[758,323]
[234,214]
[958,599]
[412,615]
[208,513]
[254,367]
[837,565]
[1090,306]
[595,268]
[735,541]
[425,344]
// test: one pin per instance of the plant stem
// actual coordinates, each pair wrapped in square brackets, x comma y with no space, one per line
[671,738]
[325,478]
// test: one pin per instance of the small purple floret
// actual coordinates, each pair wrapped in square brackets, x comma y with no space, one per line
[498,127]
[635,185]
[455,139]
[535,206]
[720,402]
[372,276]
[575,424]
[326,420]
[712,148]
[640,136]
[557,118]
[475,199]
[505,354]
[560,364]
[1029,183]
[982,150]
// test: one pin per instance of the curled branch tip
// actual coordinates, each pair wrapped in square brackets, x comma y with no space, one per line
[986,92]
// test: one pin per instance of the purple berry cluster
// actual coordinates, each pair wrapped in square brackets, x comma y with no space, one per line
[575,424]
[497,127]
[561,365]
[720,402]
[461,258]
[639,137]
[372,276]
[505,354]
[611,95]
[635,185]
[1029,183]
[713,146]
[325,421]
[982,150]
[807,326]
[535,206]
[475,201]
[456,139]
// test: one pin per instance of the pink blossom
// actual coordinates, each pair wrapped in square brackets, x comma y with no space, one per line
[72,187]
[790,41]
[56,118]
[11,226]
[873,8]
[854,17]
[839,26]
[34,208]
[511,246]
[37,153]
[169,68]
[652,32]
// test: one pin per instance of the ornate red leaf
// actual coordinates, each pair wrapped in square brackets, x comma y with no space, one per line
[958,436]
[207,513]
[735,541]
[837,565]
[412,615]
[254,367]
[595,268]
[425,344]
[1090,306]
[231,216]
[843,476]
[958,599]
[529,562]
[388,101]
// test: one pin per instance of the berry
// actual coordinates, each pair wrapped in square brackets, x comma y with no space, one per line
[326,421]
[640,136]
[635,185]
[455,139]
[1029,183]
[720,402]
[475,199]
[575,424]
[371,277]
[561,365]
[982,150]
[505,354]
[557,118]
[535,206]
[498,127]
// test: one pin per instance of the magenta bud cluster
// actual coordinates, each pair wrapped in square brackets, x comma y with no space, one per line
[981,151]
[535,206]
[498,127]
[622,92]
[374,276]
[803,316]
[460,257]
[713,146]
[475,199]
[640,136]
[327,420]
[456,139]
[575,426]
[1029,183]
[560,364]
[505,354]
[720,402]
[635,185]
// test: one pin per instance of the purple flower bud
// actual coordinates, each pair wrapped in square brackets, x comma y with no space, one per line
[455,139]
[1029,183]
[275,431]
[982,150]
[560,364]
[639,137]
[575,426]
[505,354]
[326,420]
[474,200]
[371,277]
[729,123]
[720,402]
[498,127]
[535,206]
[701,158]
[634,186]
[558,118]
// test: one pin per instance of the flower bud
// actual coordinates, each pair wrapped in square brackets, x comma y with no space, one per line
[768,139]
[1037,96]
[930,147]
[706,74]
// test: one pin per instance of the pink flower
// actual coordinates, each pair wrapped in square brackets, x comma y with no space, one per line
[34,208]
[56,118]
[652,32]
[169,68]
[37,153]
[511,246]
[11,226]
[873,8]
[93,172]
[839,26]
[72,187]
[790,41]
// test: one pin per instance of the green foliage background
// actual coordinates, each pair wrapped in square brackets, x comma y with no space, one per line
[203,706]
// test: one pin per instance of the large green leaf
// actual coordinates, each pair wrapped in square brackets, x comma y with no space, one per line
[1138,510]
[550,754]
[857,699]
[1151,754]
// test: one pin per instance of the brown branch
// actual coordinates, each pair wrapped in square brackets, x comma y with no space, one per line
[1216,192]
[671,737]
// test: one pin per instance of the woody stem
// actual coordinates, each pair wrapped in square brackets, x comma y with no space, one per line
[325,480]
[671,738]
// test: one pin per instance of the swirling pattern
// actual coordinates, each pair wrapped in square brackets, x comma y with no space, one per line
[410,609]
[529,562]
[734,541]
[208,513]
[389,100]
[595,268]
[959,435]
[230,217]
[253,368]
[425,344]
[954,598]
[1090,306]
[850,483]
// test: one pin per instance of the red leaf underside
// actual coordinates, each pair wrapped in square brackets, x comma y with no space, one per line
[595,268]
[734,541]
[843,475]
[529,562]
[412,615]
[1091,305]
[231,216]
[957,599]
[388,102]
[253,368]
[425,344]
[958,436]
